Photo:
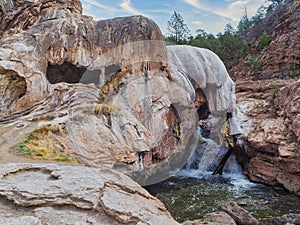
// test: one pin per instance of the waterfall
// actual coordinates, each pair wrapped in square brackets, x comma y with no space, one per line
[206,157]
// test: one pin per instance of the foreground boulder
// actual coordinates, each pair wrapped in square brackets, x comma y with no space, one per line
[56,194]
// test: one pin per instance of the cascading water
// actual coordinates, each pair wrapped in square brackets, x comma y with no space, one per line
[207,156]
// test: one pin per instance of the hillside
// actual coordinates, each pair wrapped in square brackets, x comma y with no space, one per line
[280,58]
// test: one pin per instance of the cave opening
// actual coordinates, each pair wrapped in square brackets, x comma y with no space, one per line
[201,104]
[66,72]
[203,112]
[12,88]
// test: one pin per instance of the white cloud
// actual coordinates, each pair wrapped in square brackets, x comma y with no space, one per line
[165,11]
[233,11]
[195,3]
[236,10]
[197,23]
[95,3]
[127,6]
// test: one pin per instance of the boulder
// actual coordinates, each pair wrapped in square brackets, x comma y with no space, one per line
[57,194]
[215,218]
[240,215]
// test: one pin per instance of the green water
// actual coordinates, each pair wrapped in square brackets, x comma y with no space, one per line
[189,198]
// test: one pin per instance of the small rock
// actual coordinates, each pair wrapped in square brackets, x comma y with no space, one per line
[287,219]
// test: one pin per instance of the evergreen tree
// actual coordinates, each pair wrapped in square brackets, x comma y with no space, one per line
[274,4]
[244,24]
[178,30]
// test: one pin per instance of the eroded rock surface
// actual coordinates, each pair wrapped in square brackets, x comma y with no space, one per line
[108,83]
[56,194]
[210,79]
[273,145]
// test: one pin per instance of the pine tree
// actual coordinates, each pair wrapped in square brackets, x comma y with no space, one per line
[178,30]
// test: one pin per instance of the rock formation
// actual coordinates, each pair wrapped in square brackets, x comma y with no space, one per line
[210,79]
[106,82]
[272,126]
[56,194]
[102,92]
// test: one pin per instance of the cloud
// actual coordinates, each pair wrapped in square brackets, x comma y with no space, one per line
[127,6]
[194,3]
[236,10]
[99,5]
[197,23]
[164,11]
[233,11]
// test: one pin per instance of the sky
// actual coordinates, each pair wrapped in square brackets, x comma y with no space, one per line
[209,15]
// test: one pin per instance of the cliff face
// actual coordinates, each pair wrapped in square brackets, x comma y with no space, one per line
[271,101]
[281,58]
[272,151]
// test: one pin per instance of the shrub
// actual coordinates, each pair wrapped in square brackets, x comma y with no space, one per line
[39,145]
[294,70]
[255,64]
[263,41]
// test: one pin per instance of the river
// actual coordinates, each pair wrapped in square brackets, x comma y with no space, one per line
[191,194]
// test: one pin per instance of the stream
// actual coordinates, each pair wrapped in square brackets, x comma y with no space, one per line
[191,194]
[193,191]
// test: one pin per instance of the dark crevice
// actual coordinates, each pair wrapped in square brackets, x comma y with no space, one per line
[67,72]
[203,111]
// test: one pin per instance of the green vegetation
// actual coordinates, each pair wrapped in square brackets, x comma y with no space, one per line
[39,144]
[272,85]
[255,64]
[294,70]
[263,41]
[231,46]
